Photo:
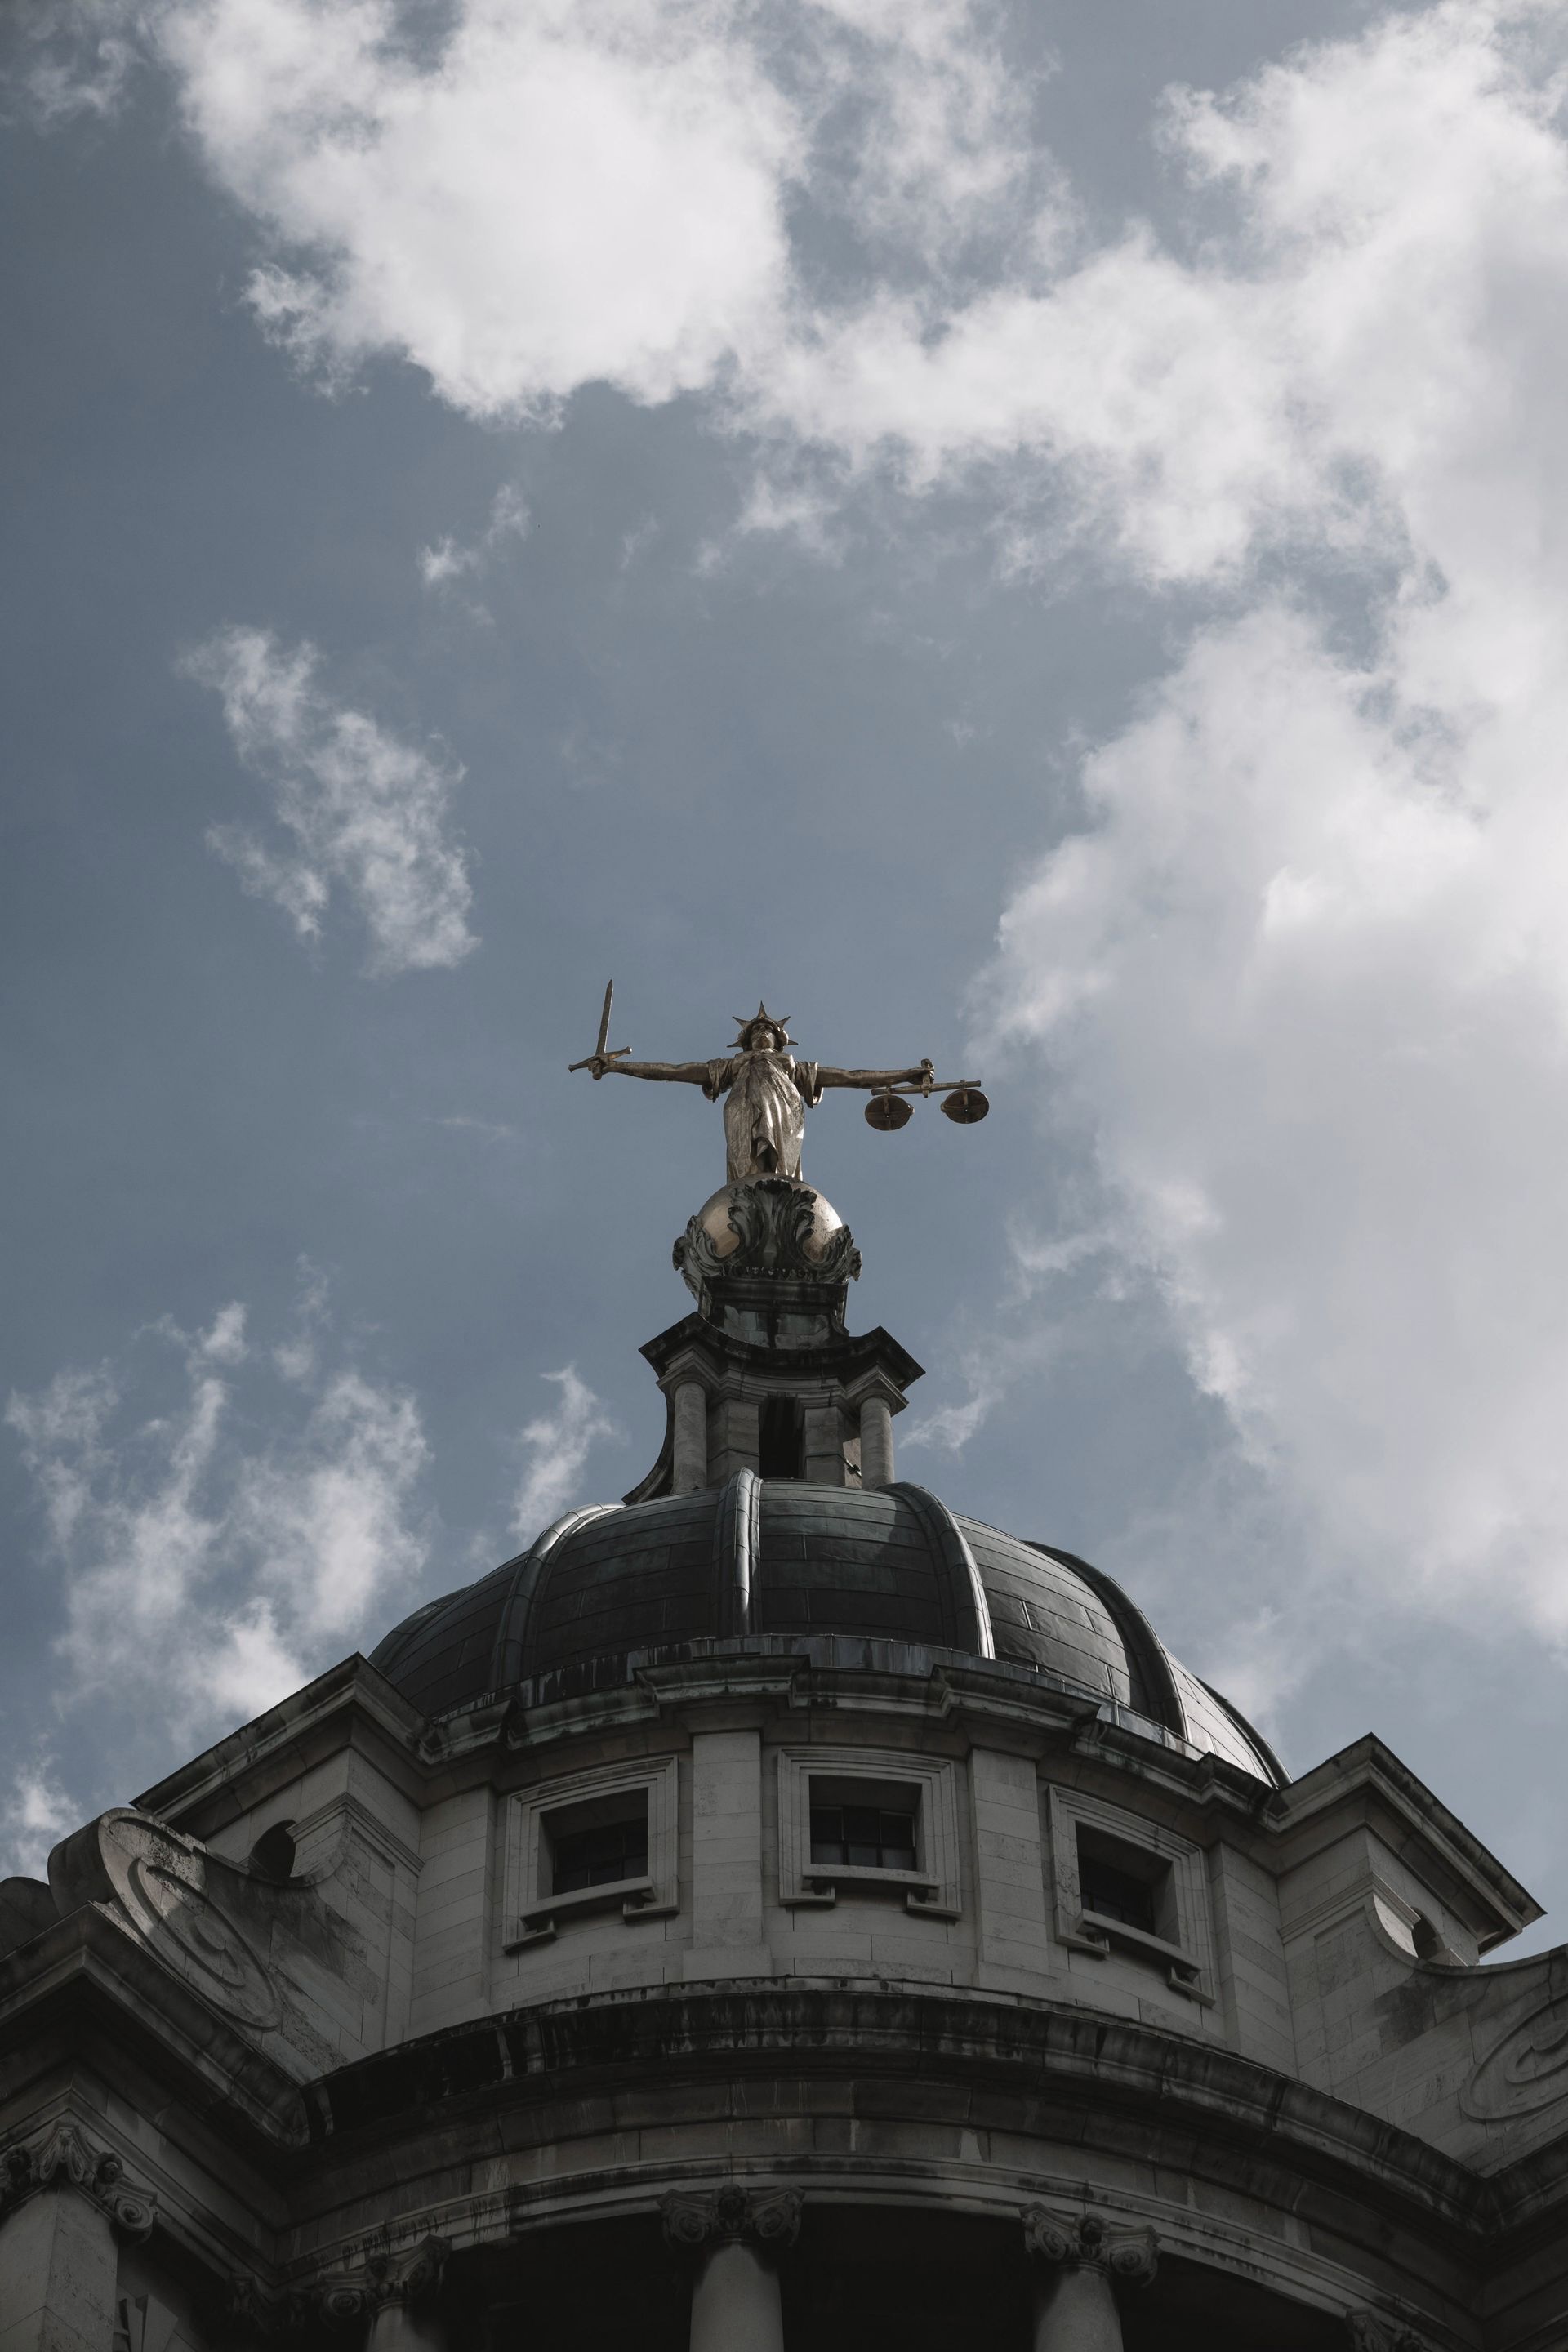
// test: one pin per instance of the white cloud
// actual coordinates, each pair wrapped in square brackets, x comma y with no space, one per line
[206,1575]
[563,194]
[367,815]
[933,149]
[556,1447]
[1032,1328]
[451,560]
[69,62]
[1305,978]
[36,1812]
[554,192]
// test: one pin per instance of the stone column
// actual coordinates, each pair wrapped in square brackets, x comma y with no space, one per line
[735,2302]
[1079,2260]
[690,1445]
[395,2329]
[736,2235]
[64,2201]
[875,1444]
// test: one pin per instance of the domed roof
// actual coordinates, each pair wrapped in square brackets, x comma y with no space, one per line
[619,1585]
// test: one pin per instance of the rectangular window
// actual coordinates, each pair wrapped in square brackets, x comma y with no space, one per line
[869,1822]
[604,1839]
[870,1837]
[1115,1894]
[1129,1888]
[1122,1882]
[598,1856]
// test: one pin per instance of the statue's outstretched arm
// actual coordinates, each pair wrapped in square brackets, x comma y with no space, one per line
[686,1073]
[869,1080]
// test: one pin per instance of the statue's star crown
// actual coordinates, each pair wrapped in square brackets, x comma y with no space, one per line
[745,1025]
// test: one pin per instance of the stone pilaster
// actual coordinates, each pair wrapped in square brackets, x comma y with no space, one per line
[64,2201]
[1080,2261]
[689,1438]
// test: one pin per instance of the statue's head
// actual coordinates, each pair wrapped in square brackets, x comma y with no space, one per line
[762,1033]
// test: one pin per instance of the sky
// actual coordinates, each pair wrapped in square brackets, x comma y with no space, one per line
[1025,534]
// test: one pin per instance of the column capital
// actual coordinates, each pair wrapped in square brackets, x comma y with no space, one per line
[63,2157]
[1126,2252]
[383,2277]
[1369,2333]
[731,2215]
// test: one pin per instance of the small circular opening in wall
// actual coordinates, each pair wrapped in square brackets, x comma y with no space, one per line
[272,1855]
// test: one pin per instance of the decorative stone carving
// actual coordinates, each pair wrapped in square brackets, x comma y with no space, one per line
[256,2315]
[410,2275]
[158,1879]
[63,2158]
[769,2217]
[1370,2334]
[768,1227]
[1125,2253]
[1527,2069]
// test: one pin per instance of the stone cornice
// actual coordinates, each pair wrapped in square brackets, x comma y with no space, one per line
[352,1700]
[848,1359]
[88,1988]
[1367,1780]
[1234,2119]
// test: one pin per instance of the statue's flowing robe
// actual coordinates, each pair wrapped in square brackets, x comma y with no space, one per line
[765,1099]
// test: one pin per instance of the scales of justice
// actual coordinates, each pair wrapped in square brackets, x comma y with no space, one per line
[767,1092]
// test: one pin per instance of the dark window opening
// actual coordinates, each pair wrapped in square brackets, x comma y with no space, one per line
[1117,1894]
[781,1439]
[1124,1883]
[272,1855]
[599,1856]
[864,1837]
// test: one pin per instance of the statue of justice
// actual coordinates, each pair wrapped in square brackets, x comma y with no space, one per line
[767,1092]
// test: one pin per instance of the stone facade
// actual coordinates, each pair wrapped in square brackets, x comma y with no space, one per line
[766,1984]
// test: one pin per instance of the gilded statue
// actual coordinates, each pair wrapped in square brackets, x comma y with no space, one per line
[766,1092]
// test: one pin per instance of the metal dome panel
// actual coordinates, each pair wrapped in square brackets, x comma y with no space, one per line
[782,1558]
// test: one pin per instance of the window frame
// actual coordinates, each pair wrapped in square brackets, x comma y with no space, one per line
[1186,1959]
[931,1891]
[532,1909]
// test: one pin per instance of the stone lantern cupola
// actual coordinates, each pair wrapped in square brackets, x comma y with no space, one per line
[765,1376]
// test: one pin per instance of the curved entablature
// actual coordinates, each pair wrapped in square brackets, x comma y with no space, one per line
[780,1561]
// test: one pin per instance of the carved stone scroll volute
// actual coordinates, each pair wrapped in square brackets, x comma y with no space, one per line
[1126,2252]
[731,2215]
[63,2158]
[1079,2264]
